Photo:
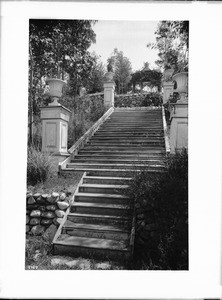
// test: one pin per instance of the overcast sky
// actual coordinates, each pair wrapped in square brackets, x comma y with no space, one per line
[131,37]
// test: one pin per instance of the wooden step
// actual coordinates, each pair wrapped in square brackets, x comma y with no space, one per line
[92,247]
[101,198]
[85,166]
[105,180]
[96,231]
[100,208]
[102,188]
[99,219]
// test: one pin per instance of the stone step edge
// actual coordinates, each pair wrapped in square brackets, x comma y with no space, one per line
[72,242]
[101,205]
[100,195]
[98,216]
[108,178]
[91,227]
[104,186]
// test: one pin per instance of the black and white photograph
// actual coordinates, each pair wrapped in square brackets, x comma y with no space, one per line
[107,168]
[110,150]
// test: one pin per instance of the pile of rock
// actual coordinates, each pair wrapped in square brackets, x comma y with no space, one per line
[43,210]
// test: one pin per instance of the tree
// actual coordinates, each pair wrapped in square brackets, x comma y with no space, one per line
[146,75]
[57,48]
[95,80]
[172,41]
[122,69]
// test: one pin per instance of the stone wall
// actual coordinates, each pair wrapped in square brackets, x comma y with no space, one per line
[44,212]
[138,100]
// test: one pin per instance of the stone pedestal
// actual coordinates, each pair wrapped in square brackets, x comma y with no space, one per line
[55,130]
[109,88]
[167,90]
[179,126]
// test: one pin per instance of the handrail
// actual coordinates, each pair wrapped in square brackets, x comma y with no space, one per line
[166,138]
[84,139]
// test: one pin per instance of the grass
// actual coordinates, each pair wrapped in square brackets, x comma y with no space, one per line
[39,256]
[57,184]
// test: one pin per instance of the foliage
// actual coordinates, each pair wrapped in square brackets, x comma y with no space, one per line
[58,48]
[153,77]
[152,99]
[162,199]
[138,100]
[121,66]
[172,41]
[95,81]
[85,112]
[38,166]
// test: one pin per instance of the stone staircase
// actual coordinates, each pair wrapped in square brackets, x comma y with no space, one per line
[101,221]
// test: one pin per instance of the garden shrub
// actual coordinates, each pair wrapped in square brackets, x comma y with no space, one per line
[161,201]
[38,166]
[152,99]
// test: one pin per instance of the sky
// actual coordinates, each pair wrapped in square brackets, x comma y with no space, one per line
[131,37]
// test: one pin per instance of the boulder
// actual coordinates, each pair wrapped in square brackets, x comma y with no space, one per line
[103,266]
[51,207]
[50,232]
[57,221]
[58,261]
[42,208]
[34,221]
[27,228]
[32,206]
[48,214]
[27,219]
[36,195]
[62,205]
[62,196]
[30,200]
[53,198]
[46,222]
[35,213]
[37,230]
[60,213]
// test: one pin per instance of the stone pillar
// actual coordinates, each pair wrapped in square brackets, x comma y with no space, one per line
[55,120]
[167,90]
[179,126]
[109,88]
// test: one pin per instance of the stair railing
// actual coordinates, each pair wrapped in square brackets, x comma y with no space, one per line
[166,137]
[84,139]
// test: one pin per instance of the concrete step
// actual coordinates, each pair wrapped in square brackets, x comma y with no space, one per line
[133,148]
[102,188]
[114,166]
[118,130]
[100,219]
[126,143]
[127,138]
[117,172]
[102,160]
[101,208]
[96,231]
[105,180]
[93,197]
[92,247]
[127,156]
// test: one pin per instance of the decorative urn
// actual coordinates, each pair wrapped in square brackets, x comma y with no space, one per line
[182,85]
[55,89]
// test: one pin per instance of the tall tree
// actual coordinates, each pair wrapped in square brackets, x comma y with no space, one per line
[172,41]
[58,48]
[122,68]
[95,81]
